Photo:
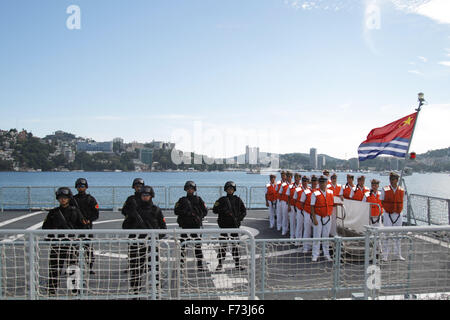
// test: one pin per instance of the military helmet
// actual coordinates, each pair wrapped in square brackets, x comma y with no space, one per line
[190,184]
[137,181]
[147,190]
[63,192]
[229,184]
[81,182]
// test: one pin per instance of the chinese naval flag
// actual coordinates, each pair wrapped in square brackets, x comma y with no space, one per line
[392,139]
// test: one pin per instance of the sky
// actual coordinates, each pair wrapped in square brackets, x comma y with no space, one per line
[215,76]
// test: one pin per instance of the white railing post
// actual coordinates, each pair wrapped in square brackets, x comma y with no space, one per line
[31,244]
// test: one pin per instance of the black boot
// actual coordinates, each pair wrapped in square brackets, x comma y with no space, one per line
[91,271]
[200,267]
[237,266]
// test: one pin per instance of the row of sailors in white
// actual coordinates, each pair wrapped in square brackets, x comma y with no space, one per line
[301,223]
[387,208]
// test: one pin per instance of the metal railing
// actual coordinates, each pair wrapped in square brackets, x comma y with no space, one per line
[428,210]
[286,271]
[418,209]
[113,197]
[148,264]
[150,267]
[417,268]
[39,197]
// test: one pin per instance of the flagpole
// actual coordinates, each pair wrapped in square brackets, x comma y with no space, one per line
[421,102]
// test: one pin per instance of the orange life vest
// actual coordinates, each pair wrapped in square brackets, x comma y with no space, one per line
[336,189]
[277,189]
[347,190]
[291,193]
[358,194]
[307,204]
[284,188]
[393,201]
[297,203]
[271,194]
[374,198]
[324,205]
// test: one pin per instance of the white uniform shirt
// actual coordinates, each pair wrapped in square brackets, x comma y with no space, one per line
[303,197]
[296,190]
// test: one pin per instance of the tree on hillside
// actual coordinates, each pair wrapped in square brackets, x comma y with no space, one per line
[6,165]
[31,153]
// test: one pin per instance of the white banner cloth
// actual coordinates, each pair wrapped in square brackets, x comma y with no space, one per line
[357,214]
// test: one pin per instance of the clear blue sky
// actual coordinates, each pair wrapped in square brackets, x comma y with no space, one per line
[286,75]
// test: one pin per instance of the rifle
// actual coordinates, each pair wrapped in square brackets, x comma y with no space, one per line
[75,202]
[139,219]
[194,212]
[66,225]
[236,224]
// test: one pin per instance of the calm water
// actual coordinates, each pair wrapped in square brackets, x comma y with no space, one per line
[433,184]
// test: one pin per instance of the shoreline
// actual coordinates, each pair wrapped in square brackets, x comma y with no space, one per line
[265,172]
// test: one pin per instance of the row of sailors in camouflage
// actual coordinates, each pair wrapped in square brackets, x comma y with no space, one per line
[307,207]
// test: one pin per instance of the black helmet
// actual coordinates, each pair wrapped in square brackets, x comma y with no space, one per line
[63,192]
[147,190]
[190,184]
[229,184]
[137,181]
[81,182]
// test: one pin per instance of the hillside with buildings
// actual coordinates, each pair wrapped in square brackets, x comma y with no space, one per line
[62,151]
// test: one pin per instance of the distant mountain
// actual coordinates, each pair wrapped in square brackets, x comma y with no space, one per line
[20,150]
[430,161]
[440,153]
[433,160]
[60,135]
[302,161]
